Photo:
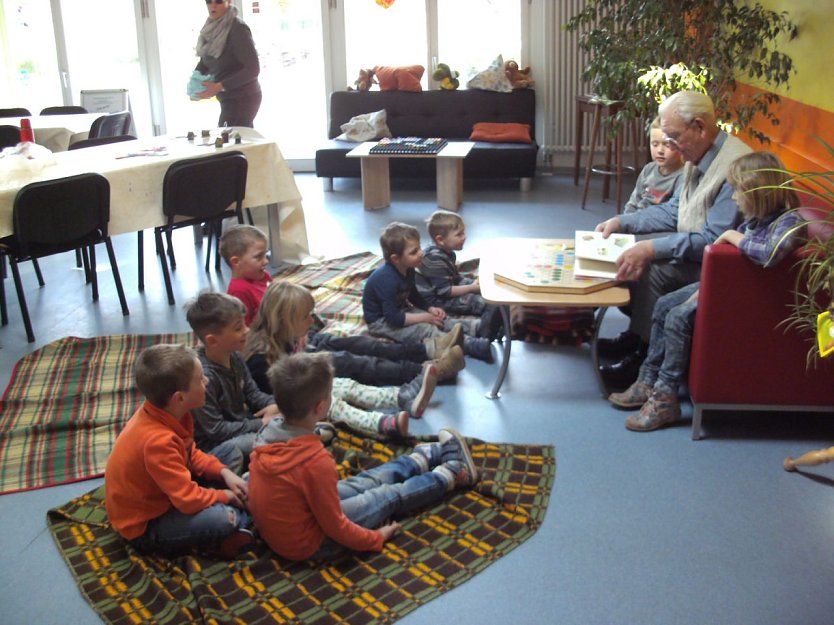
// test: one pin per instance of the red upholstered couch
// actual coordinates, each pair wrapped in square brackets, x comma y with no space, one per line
[742,358]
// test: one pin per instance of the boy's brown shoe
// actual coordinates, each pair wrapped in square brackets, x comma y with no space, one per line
[450,363]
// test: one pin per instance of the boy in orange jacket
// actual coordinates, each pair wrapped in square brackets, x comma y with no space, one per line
[152,495]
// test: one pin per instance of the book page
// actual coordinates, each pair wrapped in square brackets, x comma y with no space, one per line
[592,246]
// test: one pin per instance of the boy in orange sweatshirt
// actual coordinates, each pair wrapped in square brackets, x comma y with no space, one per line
[152,496]
[301,508]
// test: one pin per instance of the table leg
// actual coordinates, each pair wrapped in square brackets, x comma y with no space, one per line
[505,359]
[376,183]
[449,183]
[595,349]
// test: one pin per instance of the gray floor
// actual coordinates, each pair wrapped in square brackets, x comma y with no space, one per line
[642,528]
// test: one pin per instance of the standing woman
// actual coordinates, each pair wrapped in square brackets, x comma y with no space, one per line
[227,52]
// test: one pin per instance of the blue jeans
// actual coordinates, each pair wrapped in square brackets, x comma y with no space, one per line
[417,332]
[371,361]
[393,489]
[667,360]
[174,531]
[234,453]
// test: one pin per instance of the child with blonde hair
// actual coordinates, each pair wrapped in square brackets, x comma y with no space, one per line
[657,180]
[770,230]
[280,329]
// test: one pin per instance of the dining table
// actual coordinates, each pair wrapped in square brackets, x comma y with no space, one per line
[58,132]
[136,169]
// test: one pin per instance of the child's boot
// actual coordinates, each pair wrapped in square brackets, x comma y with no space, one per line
[478,348]
[659,410]
[414,396]
[450,363]
[633,397]
[436,346]
[394,426]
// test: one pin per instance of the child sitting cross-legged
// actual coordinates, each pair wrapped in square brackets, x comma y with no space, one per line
[235,408]
[301,508]
[393,307]
[155,485]
[769,232]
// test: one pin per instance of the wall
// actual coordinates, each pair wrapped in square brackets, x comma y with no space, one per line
[807,106]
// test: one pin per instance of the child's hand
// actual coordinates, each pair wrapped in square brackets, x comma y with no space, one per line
[389,529]
[437,313]
[237,485]
[268,413]
[732,237]
[475,287]
[235,501]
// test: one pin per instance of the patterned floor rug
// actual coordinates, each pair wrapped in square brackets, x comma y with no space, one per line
[438,549]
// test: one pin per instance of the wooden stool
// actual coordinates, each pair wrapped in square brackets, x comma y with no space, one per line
[601,110]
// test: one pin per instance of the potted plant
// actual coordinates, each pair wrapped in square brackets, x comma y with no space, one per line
[706,49]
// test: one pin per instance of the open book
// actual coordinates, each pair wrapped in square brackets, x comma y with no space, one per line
[597,257]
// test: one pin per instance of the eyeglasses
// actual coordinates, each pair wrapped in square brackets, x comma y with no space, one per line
[672,142]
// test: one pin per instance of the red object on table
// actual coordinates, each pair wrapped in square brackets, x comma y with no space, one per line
[26,132]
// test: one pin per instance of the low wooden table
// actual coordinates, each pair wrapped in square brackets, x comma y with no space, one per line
[504,295]
[376,179]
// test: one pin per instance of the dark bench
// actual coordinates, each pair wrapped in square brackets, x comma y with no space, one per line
[446,114]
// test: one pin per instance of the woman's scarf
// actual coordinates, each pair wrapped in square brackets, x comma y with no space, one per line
[213,36]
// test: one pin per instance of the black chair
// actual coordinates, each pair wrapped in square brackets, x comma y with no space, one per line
[9,136]
[203,190]
[15,112]
[64,110]
[91,143]
[57,216]
[111,125]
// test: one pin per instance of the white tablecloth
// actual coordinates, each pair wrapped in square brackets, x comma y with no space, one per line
[136,185]
[58,132]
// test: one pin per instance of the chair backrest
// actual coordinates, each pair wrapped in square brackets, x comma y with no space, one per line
[204,187]
[9,136]
[15,112]
[63,214]
[110,125]
[91,143]
[64,110]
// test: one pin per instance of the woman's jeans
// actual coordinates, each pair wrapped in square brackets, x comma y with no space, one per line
[395,488]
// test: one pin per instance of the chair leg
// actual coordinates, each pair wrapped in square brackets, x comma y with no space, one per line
[141,248]
[85,260]
[21,298]
[697,413]
[38,273]
[93,275]
[250,221]
[78,258]
[211,231]
[116,277]
[4,314]
[217,247]
[166,276]
[169,236]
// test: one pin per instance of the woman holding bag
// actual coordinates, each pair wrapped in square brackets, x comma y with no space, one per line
[227,53]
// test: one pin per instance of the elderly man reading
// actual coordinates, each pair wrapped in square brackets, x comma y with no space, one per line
[701,209]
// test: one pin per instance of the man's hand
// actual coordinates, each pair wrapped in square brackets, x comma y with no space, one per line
[608,227]
[268,413]
[633,262]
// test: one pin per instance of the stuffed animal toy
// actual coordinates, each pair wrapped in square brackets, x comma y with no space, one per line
[519,78]
[364,82]
[447,78]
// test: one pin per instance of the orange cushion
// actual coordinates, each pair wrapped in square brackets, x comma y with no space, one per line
[509,132]
[399,78]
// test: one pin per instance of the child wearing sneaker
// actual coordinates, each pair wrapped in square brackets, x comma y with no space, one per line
[155,488]
[657,180]
[302,509]
[769,232]
[244,248]
[439,281]
[235,409]
[393,307]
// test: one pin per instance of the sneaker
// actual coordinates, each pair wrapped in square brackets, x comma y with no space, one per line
[478,348]
[452,337]
[457,474]
[450,363]
[633,397]
[455,449]
[326,431]
[414,396]
[394,425]
[236,543]
[659,410]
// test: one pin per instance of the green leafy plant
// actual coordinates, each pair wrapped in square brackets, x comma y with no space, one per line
[642,50]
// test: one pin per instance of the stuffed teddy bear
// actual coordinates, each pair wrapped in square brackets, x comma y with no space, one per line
[519,78]
[364,82]
[447,78]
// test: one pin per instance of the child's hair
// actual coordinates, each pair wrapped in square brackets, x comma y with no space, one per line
[211,311]
[162,370]
[394,237]
[750,173]
[239,238]
[284,306]
[300,381]
[655,125]
[441,223]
